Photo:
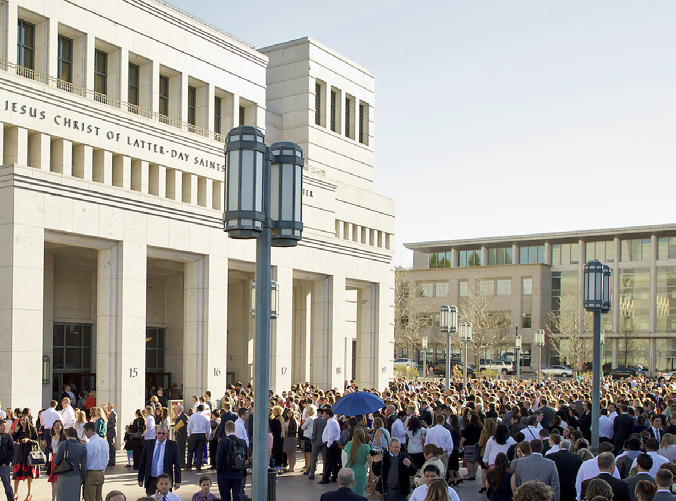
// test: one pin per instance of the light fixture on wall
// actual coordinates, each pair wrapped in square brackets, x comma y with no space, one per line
[46,369]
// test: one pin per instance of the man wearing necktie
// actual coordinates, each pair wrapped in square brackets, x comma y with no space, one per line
[160,456]
[656,428]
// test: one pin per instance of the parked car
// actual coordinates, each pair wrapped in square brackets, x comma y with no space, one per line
[439,368]
[405,362]
[621,372]
[497,366]
[558,370]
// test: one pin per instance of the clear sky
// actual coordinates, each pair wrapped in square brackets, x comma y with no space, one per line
[502,117]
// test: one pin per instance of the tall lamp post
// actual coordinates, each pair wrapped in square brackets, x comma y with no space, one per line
[517,345]
[448,323]
[597,301]
[465,337]
[423,344]
[263,200]
[539,342]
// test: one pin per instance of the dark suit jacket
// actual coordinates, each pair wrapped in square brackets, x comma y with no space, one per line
[228,416]
[620,487]
[221,455]
[172,465]
[567,464]
[112,423]
[632,481]
[547,416]
[622,427]
[585,425]
[664,496]
[652,433]
[382,468]
[317,429]
[342,494]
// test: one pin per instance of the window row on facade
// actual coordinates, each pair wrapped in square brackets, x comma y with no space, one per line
[363,235]
[55,154]
[341,112]
[562,254]
[125,80]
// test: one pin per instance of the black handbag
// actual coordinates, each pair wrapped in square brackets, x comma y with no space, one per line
[36,457]
[66,464]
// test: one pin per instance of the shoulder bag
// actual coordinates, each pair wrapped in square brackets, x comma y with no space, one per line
[36,457]
[66,464]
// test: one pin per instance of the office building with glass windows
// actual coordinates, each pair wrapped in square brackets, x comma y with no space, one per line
[529,276]
[115,268]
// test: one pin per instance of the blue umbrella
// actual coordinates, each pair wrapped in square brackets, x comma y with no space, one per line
[358,403]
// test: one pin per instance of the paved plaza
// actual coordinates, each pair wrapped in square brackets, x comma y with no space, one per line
[290,486]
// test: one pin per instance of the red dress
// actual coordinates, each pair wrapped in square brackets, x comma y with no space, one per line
[22,470]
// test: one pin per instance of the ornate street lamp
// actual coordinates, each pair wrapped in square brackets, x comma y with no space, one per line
[539,339]
[263,200]
[448,323]
[465,337]
[597,300]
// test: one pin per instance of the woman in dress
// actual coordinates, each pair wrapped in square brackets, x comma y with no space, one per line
[499,478]
[500,442]
[453,476]
[69,483]
[277,430]
[470,439]
[138,426]
[490,427]
[306,428]
[56,436]
[26,436]
[290,437]
[101,422]
[80,421]
[357,451]
[415,440]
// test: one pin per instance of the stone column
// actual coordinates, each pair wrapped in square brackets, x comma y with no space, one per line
[39,149]
[205,325]
[548,253]
[580,280]
[122,171]
[121,327]
[484,255]
[15,149]
[281,335]
[62,157]
[328,332]
[139,175]
[515,254]
[368,361]
[653,291]
[302,321]
[83,162]
[103,167]
[21,299]
[615,305]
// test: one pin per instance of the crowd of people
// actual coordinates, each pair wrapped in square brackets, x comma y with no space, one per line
[521,440]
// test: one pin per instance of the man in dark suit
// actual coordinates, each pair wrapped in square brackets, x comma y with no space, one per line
[547,413]
[229,479]
[567,465]
[664,480]
[344,492]
[622,428]
[656,428]
[159,456]
[317,445]
[585,421]
[227,415]
[181,431]
[643,463]
[606,463]
[395,486]
[111,433]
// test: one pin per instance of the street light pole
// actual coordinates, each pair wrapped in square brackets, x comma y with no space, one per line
[448,323]
[465,336]
[423,342]
[517,345]
[596,300]
[256,205]
[539,342]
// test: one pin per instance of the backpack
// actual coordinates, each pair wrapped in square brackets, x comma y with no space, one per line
[236,459]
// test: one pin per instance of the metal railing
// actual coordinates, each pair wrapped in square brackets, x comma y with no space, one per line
[78,90]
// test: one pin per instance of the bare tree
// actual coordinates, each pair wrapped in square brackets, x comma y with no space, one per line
[490,328]
[627,336]
[410,318]
[571,332]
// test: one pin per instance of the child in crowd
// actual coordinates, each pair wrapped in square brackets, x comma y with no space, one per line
[203,494]
[127,446]
[163,486]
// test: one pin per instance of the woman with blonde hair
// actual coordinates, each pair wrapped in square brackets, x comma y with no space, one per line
[290,437]
[668,447]
[277,430]
[432,456]
[490,427]
[357,452]
[306,428]
[80,421]
[101,422]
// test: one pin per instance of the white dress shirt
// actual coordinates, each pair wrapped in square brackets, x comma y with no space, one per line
[97,453]
[3,414]
[331,432]
[420,493]
[589,469]
[240,431]
[48,416]
[199,423]
[398,431]
[492,449]
[531,433]
[149,434]
[441,437]
[554,448]
[68,417]
[605,427]
[657,462]
[160,460]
